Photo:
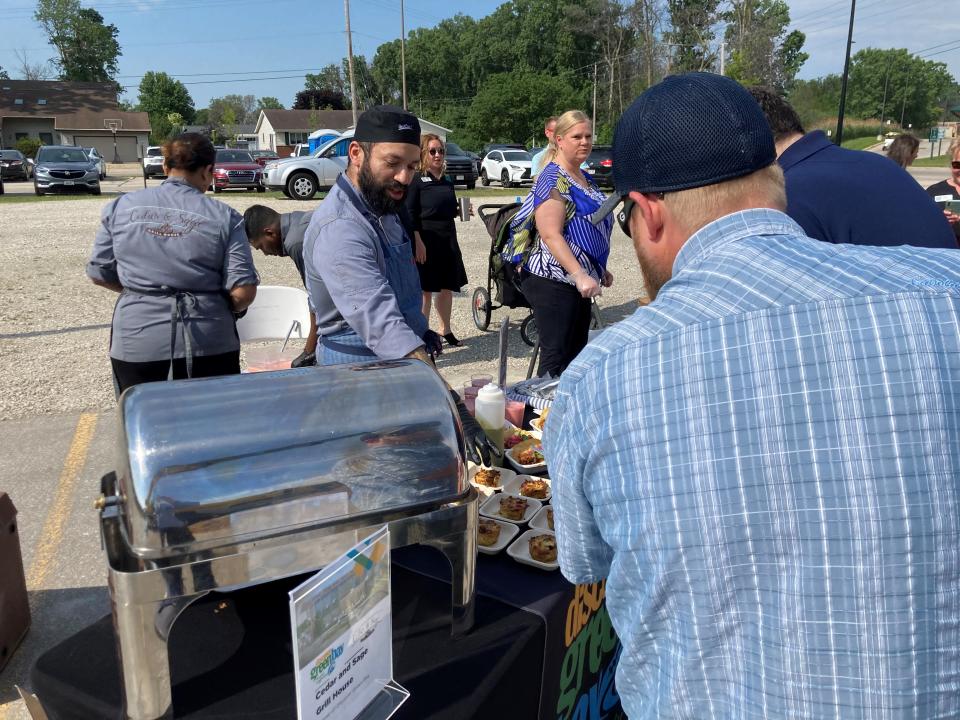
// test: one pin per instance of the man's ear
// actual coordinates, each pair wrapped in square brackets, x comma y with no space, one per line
[355,153]
[651,212]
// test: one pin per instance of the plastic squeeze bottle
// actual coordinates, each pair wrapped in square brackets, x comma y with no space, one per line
[490,410]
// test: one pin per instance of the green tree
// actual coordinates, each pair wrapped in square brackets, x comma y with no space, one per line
[29,146]
[916,88]
[816,100]
[692,33]
[510,107]
[385,70]
[609,23]
[160,95]
[87,48]
[330,78]
[367,95]
[3,74]
[269,103]
[201,117]
[761,51]
[319,100]
[230,110]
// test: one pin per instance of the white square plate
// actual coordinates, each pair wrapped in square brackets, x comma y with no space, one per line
[491,509]
[513,486]
[506,475]
[520,467]
[520,550]
[540,519]
[508,531]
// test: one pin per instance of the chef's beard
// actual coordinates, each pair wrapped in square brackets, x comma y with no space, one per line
[375,193]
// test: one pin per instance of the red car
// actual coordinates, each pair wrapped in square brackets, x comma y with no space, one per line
[236,169]
[262,157]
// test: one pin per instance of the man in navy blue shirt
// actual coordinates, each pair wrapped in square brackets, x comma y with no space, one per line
[849,196]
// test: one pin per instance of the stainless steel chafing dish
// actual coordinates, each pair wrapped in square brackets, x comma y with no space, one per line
[234,481]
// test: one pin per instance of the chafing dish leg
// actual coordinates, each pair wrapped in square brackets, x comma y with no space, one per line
[142,630]
[461,551]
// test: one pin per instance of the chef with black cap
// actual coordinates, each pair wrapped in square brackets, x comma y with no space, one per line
[358,254]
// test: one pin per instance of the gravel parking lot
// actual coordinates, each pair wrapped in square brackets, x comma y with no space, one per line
[54,323]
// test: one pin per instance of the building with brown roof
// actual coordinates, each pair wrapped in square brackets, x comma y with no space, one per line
[60,112]
[281,130]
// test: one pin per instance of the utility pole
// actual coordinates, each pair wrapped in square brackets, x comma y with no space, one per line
[353,85]
[594,121]
[846,73]
[903,105]
[883,105]
[403,60]
[723,57]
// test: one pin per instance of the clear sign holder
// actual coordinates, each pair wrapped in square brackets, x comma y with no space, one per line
[343,637]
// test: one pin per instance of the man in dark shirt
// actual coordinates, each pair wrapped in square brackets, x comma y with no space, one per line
[849,196]
[274,234]
[949,190]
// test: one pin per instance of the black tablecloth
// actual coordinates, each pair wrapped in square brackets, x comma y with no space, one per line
[536,652]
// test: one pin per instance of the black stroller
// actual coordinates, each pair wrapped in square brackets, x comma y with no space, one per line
[503,279]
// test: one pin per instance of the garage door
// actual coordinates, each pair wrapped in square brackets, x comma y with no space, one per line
[126,146]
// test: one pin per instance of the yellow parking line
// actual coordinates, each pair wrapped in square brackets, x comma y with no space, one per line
[52,533]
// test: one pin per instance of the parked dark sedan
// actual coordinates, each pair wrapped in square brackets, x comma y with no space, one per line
[262,157]
[13,165]
[600,164]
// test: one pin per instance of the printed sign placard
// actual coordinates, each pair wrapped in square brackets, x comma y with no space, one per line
[342,633]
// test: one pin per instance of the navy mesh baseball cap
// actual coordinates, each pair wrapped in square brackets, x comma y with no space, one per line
[688,131]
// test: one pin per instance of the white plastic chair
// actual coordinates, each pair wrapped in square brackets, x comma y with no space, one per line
[277,313]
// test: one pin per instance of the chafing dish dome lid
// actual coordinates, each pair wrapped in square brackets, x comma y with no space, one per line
[214,461]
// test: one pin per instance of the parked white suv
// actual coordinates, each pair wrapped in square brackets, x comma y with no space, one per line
[510,167]
[153,161]
[301,177]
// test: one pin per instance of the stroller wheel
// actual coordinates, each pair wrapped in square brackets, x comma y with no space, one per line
[528,330]
[481,308]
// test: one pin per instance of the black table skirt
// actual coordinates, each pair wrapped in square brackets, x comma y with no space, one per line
[231,659]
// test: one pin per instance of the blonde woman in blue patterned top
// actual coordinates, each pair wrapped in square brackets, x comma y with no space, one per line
[568,266]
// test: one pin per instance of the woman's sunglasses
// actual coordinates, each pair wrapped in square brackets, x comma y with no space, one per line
[437,151]
[955,164]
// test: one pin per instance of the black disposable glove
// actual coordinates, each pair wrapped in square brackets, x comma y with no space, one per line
[480,450]
[304,359]
[433,343]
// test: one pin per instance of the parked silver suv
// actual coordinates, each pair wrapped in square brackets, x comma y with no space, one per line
[64,168]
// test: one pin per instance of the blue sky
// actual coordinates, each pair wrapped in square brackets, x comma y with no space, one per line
[264,47]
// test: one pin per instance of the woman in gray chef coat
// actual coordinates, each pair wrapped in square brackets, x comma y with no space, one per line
[182,265]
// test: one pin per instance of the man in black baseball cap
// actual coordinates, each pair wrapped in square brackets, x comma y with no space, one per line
[757,461]
[358,256]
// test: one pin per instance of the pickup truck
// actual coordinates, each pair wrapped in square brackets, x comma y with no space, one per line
[301,178]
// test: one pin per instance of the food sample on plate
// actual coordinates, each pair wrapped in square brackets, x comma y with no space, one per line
[488,477]
[532,455]
[550,517]
[488,532]
[515,437]
[543,548]
[534,488]
[538,423]
[512,508]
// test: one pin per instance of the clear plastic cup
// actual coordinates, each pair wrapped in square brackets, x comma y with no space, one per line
[478,381]
[514,412]
[471,403]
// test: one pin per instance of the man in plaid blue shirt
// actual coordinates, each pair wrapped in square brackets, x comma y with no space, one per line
[764,462]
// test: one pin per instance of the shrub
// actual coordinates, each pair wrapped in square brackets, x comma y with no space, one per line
[29,146]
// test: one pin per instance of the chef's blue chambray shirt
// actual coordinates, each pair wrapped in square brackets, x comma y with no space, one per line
[764,464]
